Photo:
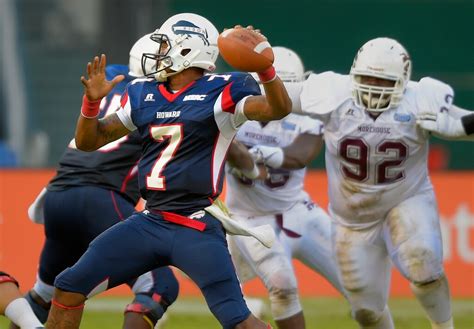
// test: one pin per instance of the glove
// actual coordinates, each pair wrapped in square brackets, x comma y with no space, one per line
[441,124]
[269,155]
[240,173]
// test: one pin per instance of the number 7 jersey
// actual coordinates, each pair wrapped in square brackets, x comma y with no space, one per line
[372,164]
[185,136]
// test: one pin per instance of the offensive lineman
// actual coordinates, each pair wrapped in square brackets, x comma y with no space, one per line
[91,192]
[186,122]
[302,228]
[381,198]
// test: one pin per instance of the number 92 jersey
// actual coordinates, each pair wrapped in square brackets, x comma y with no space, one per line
[185,136]
[372,164]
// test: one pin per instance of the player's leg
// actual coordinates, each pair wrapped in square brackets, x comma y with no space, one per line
[205,258]
[73,218]
[274,267]
[118,255]
[364,269]
[311,242]
[14,306]
[154,292]
[415,245]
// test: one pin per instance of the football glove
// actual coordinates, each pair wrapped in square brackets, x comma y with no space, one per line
[269,155]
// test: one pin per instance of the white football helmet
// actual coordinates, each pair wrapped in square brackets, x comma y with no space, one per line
[288,65]
[382,58]
[185,40]
[143,45]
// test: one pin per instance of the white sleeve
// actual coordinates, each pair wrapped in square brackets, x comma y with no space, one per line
[323,93]
[228,122]
[305,124]
[126,118]
[433,96]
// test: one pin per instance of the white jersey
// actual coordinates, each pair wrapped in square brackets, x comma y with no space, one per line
[284,187]
[372,165]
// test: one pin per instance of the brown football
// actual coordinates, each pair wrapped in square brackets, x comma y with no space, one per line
[245,49]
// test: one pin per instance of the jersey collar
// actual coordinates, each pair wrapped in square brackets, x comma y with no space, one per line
[171,97]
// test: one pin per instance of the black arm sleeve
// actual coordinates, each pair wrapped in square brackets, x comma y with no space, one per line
[468,123]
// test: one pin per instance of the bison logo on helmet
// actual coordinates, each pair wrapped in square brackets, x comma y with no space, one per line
[186,27]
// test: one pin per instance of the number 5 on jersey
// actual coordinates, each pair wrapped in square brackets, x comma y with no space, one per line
[174,132]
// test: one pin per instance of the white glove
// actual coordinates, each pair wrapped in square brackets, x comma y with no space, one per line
[240,173]
[441,124]
[269,155]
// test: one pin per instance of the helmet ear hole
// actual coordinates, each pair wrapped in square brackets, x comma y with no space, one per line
[184,52]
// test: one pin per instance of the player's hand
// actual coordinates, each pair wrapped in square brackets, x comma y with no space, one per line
[260,173]
[96,86]
[441,124]
[268,155]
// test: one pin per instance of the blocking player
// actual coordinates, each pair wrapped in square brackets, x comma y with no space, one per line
[186,121]
[381,197]
[91,192]
[302,228]
[14,306]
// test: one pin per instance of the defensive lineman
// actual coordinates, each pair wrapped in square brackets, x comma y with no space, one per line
[381,197]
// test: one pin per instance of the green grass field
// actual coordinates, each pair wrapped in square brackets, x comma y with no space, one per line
[324,313]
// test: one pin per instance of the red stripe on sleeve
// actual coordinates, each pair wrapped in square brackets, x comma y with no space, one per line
[227,103]
[124,99]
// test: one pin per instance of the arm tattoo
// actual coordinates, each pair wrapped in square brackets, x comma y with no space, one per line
[111,128]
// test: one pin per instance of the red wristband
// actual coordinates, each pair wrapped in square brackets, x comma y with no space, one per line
[89,109]
[268,75]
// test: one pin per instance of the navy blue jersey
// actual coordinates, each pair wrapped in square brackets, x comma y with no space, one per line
[113,165]
[185,137]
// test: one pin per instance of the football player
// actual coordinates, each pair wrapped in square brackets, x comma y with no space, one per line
[302,228]
[186,121]
[14,306]
[382,202]
[91,192]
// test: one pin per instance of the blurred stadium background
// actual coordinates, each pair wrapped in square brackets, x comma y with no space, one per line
[45,44]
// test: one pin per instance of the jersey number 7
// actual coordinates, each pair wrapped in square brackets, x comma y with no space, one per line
[173,132]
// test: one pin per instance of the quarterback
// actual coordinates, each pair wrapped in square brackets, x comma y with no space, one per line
[186,121]
[377,125]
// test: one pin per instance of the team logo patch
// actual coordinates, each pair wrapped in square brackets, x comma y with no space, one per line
[402,117]
[149,98]
[288,125]
[194,98]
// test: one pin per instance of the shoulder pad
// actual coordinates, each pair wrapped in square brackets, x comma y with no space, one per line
[322,93]
[116,69]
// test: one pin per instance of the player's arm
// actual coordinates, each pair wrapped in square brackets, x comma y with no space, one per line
[297,155]
[92,133]
[455,123]
[276,104]
[242,162]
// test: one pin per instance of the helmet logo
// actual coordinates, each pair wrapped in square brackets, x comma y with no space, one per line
[406,60]
[186,27]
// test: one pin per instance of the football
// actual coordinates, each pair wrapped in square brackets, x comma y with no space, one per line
[245,49]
